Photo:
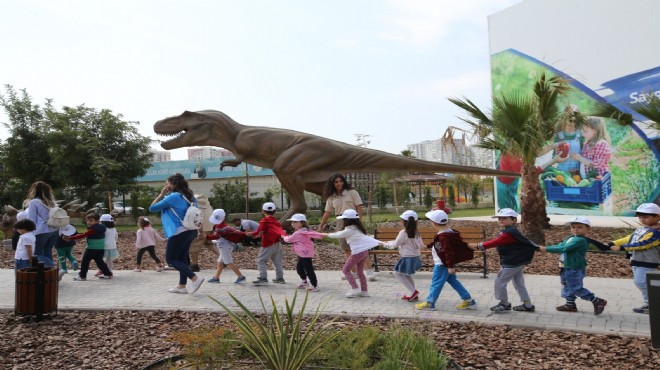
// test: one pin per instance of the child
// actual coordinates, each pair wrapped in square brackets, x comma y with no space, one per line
[145,241]
[360,243]
[409,242]
[110,252]
[227,238]
[303,246]
[574,250]
[26,242]
[448,249]
[644,248]
[596,151]
[515,252]
[64,248]
[95,235]
[270,232]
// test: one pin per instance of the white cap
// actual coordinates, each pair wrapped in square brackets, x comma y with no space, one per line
[298,217]
[22,215]
[579,220]
[650,208]
[67,230]
[349,213]
[146,219]
[407,214]
[106,217]
[505,212]
[269,206]
[438,216]
[217,216]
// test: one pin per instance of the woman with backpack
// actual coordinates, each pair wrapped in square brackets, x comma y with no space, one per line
[173,202]
[40,201]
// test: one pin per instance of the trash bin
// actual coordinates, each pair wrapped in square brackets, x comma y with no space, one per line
[653,285]
[36,290]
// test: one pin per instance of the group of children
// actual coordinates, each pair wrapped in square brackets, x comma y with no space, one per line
[448,249]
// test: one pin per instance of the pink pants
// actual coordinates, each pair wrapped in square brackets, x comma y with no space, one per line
[358,261]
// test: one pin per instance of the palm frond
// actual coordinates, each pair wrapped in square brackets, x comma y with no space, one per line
[607,110]
[650,109]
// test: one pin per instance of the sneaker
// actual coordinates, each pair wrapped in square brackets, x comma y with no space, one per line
[178,290]
[159,269]
[75,265]
[98,273]
[279,281]
[196,284]
[354,293]
[567,307]
[260,281]
[371,275]
[214,280]
[644,309]
[599,306]
[105,277]
[524,308]
[78,278]
[137,270]
[501,307]
[466,304]
[364,293]
[426,306]
[60,274]
[240,280]
[313,289]
[303,284]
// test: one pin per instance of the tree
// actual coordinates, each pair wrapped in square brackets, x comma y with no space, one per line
[428,199]
[475,194]
[451,196]
[82,150]
[521,125]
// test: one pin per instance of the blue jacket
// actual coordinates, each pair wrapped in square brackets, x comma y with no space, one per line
[172,223]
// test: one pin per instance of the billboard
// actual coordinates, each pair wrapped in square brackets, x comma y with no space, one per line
[604,168]
[201,169]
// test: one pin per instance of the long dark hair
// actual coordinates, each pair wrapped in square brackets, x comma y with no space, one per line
[180,185]
[356,222]
[329,189]
[411,227]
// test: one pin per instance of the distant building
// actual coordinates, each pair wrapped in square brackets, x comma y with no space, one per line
[429,150]
[161,156]
[482,157]
[208,152]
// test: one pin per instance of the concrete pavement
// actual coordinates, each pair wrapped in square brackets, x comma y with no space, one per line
[147,291]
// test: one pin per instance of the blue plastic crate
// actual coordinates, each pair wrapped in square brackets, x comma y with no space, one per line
[596,193]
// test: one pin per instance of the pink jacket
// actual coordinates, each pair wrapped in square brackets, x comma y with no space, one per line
[146,237]
[303,245]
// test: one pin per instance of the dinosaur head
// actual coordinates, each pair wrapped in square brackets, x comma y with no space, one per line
[188,129]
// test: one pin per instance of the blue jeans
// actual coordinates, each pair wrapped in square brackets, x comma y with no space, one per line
[21,264]
[440,277]
[43,248]
[574,288]
[176,254]
[639,278]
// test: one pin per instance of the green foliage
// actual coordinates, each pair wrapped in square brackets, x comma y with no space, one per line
[475,194]
[409,350]
[229,196]
[350,350]
[281,343]
[82,150]
[428,199]
[451,196]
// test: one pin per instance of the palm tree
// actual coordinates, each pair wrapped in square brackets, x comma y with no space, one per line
[650,109]
[520,126]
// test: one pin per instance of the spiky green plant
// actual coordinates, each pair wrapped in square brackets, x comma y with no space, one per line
[280,343]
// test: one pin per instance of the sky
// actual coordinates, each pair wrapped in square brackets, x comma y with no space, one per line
[336,69]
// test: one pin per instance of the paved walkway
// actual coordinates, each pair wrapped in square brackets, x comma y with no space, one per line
[147,291]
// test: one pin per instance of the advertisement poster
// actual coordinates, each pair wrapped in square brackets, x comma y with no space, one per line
[200,169]
[624,169]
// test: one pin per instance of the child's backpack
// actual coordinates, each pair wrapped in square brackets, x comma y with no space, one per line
[193,219]
[57,217]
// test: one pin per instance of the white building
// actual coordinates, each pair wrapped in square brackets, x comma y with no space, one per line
[208,152]
[481,157]
[161,156]
[429,150]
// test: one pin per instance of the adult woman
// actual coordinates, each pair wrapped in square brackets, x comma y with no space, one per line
[40,201]
[340,197]
[173,201]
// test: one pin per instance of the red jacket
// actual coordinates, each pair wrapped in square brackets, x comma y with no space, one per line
[451,248]
[270,231]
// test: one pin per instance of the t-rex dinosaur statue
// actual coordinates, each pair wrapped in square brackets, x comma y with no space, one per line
[300,161]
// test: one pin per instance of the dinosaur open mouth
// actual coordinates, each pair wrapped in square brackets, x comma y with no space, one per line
[172,138]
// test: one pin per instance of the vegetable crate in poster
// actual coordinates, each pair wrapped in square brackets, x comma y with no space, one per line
[596,193]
